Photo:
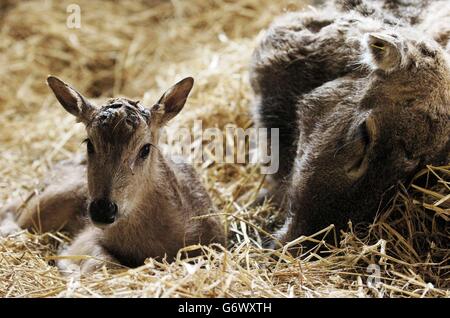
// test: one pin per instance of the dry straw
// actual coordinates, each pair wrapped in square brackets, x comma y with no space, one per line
[132,47]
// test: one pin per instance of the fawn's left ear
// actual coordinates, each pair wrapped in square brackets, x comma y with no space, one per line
[385,51]
[173,100]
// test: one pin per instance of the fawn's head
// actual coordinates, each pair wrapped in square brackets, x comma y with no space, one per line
[122,136]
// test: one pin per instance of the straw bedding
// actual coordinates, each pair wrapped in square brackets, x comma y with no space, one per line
[135,47]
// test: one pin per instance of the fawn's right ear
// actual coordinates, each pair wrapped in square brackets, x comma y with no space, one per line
[71,100]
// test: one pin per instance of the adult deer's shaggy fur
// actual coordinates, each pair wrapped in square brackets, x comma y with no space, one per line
[140,204]
[362,101]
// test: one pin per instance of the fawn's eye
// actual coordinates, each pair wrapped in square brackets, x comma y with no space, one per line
[144,152]
[89,146]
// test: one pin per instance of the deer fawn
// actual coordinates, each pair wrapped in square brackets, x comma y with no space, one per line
[140,204]
[361,103]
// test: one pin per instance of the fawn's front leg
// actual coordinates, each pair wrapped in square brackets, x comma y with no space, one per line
[85,254]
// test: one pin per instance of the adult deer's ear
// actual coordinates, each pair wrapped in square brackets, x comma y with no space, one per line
[385,51]
[173,100]
[71,99]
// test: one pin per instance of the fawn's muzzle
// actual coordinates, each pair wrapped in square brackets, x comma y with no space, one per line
[103,211]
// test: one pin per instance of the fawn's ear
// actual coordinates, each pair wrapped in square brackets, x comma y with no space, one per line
[385,51]
[173,100]
[365,137]
[71,100]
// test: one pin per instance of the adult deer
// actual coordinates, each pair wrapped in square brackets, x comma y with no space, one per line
[362,101]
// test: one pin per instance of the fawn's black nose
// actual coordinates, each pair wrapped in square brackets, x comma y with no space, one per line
[103,211]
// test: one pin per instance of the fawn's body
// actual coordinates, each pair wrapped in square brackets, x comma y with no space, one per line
[140,204]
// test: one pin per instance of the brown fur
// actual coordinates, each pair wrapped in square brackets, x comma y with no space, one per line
[361,105]
[59,203]
[159,201]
